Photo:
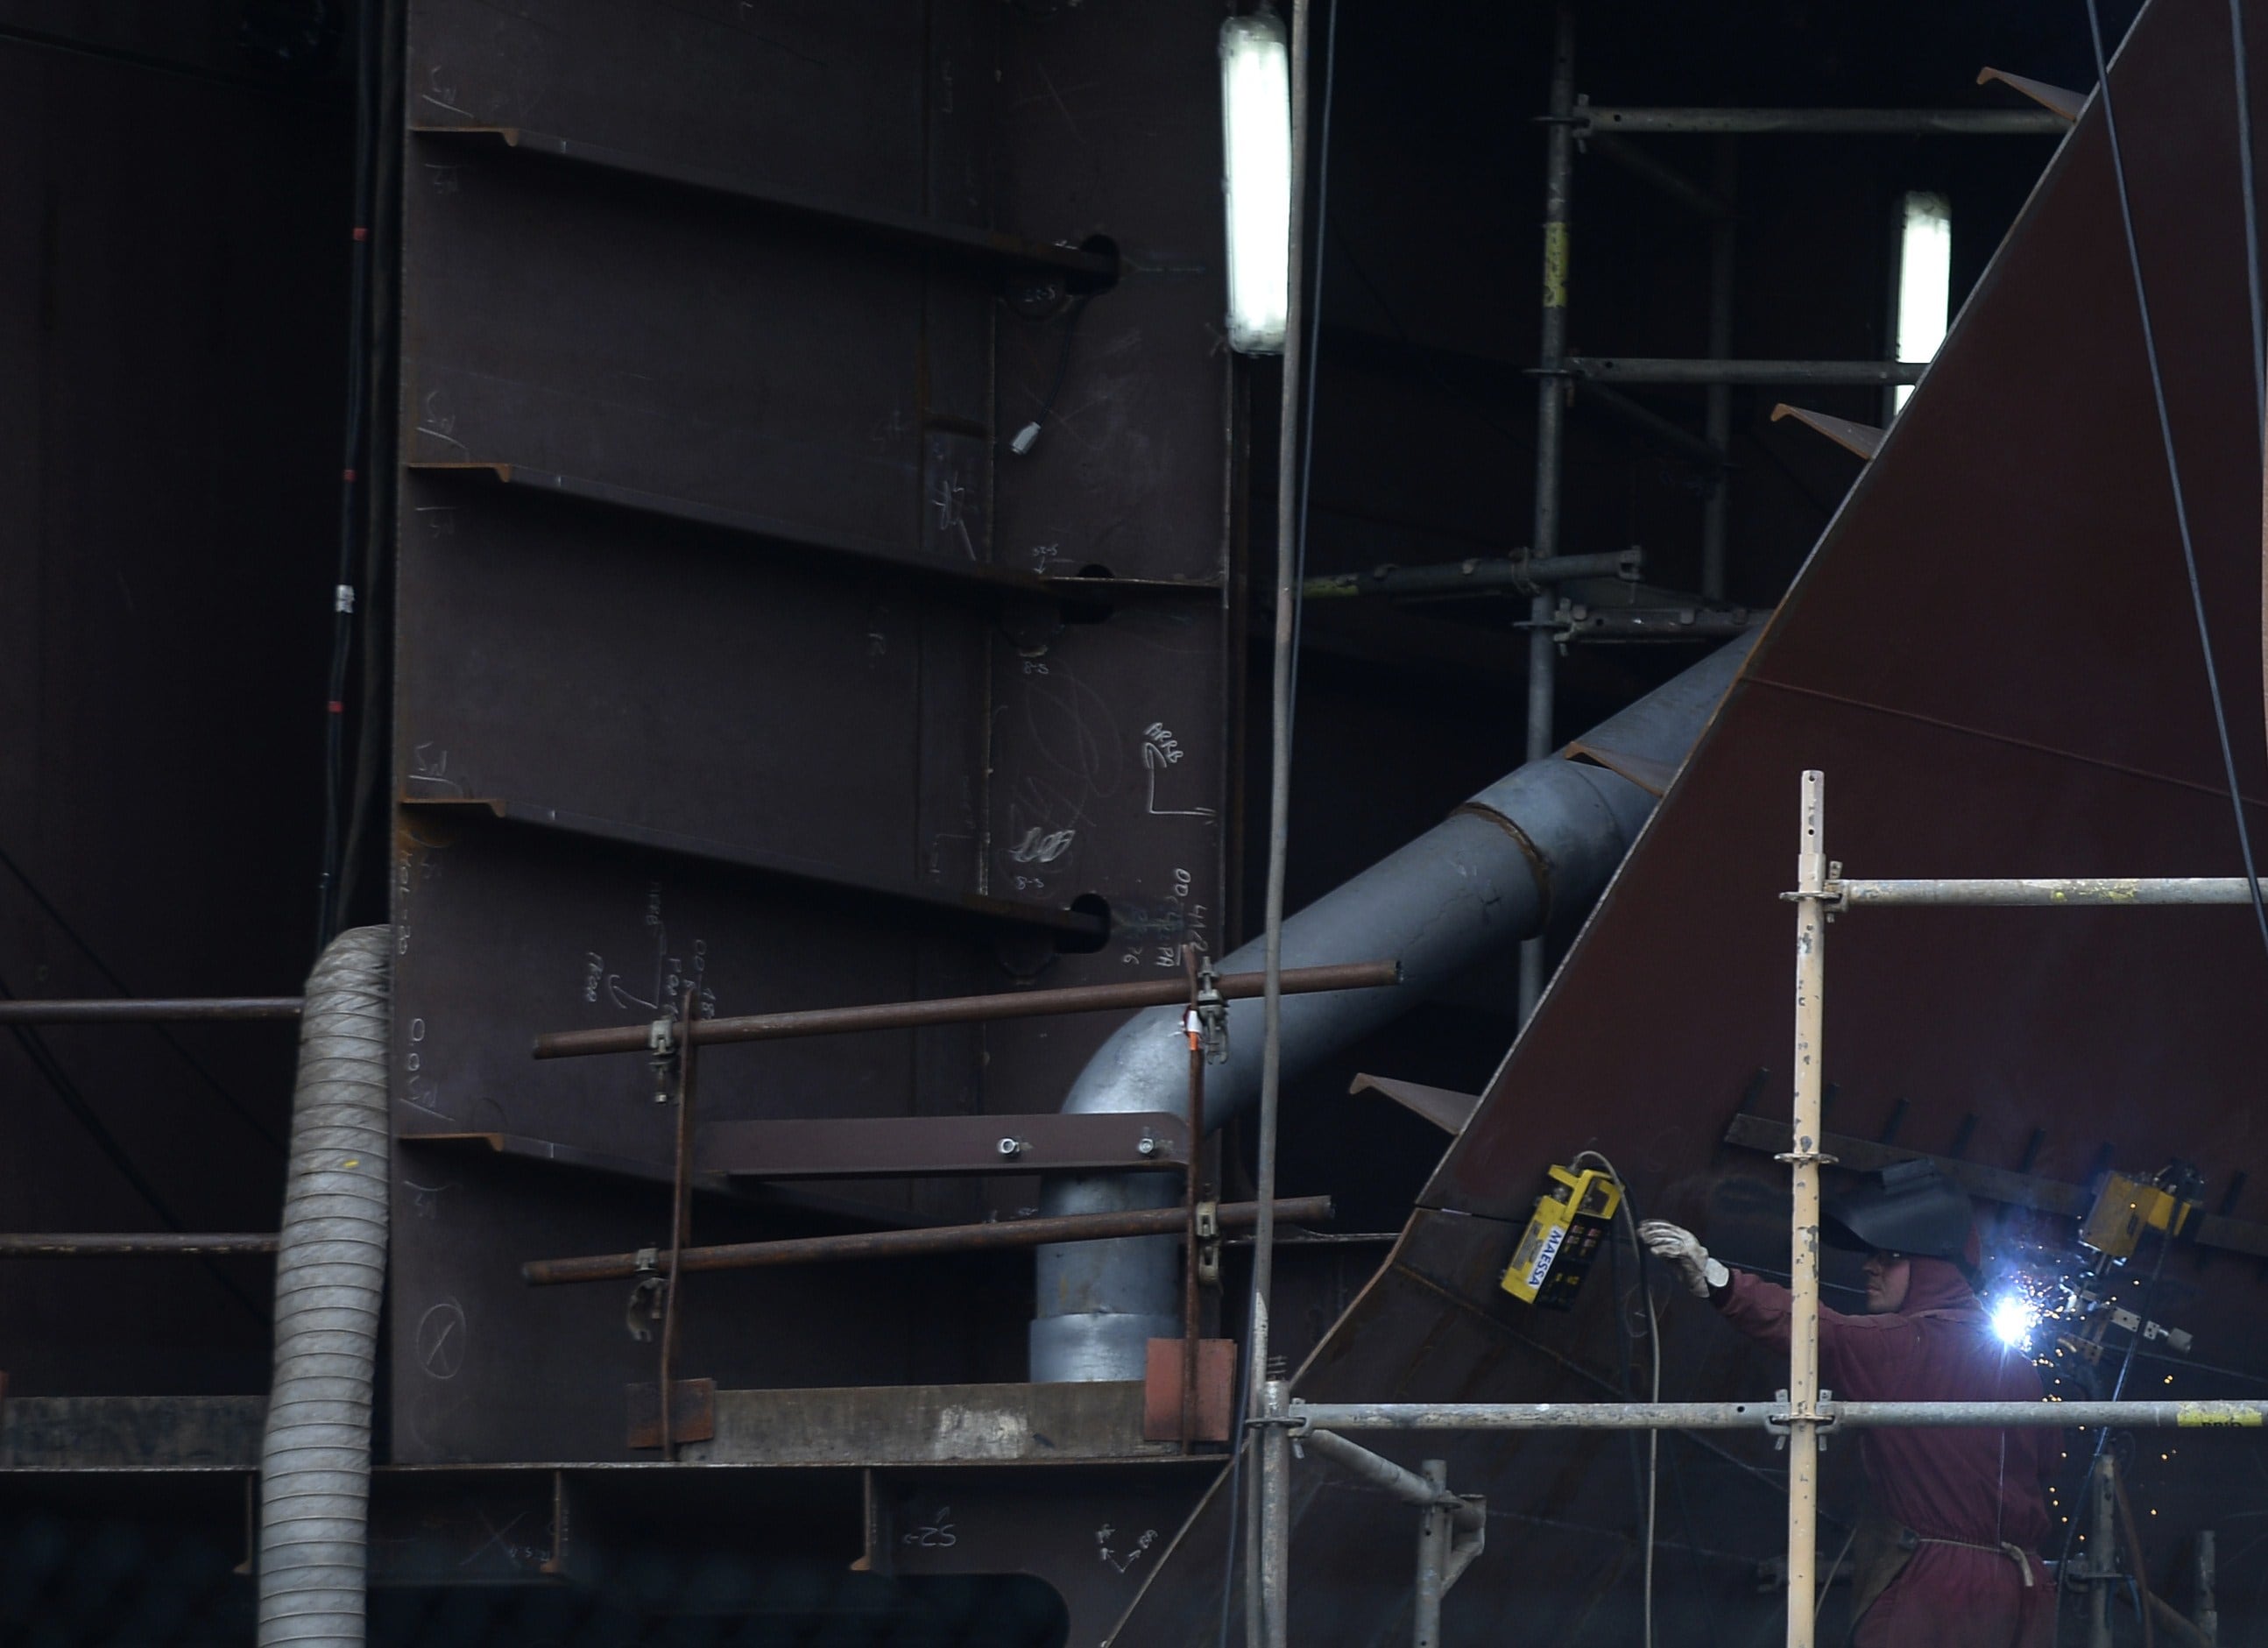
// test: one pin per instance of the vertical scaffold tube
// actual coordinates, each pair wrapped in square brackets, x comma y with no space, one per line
[1804,1158]
[1550,419]
[330,1274]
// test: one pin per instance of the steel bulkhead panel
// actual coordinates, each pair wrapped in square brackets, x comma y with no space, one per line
[826,98]
[1111,127]
[1107,747]
[676,681]
[613,331]
[763,762]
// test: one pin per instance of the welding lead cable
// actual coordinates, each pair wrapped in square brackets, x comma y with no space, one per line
[352,474]
[2166,438]
[2189,546]
[1654,1340]
[1027,436]
[1259,1626]
[2242,61]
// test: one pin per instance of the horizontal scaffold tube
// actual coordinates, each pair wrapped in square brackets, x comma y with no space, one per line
[163,1010]
[2087,892]
[126,1245]
[906,1244]
[949,1010]
[1311,1417]
[1382,1473]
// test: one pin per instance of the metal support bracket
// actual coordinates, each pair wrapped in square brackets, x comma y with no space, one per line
[1208,1253]
[661,1050]
[1780,1421]
[648,1292]
[1212,1010]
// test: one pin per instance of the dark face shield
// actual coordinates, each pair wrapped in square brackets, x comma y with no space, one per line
[1909,1210]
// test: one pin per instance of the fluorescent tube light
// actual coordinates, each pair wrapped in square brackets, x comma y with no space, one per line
[1255,105]
[1925,281]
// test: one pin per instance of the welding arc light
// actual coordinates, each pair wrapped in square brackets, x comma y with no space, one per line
[1255,111]
[2014,1318]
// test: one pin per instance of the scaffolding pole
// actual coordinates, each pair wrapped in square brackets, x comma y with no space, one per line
[1309,1419]
[1550,429]
[1804,1159]
[1801,1413]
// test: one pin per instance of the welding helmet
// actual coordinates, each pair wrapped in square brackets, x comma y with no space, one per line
[1909,1208]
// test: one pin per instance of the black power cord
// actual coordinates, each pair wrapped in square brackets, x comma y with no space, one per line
[352,477]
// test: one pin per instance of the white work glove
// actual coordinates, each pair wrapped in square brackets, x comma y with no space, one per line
[1677,1247]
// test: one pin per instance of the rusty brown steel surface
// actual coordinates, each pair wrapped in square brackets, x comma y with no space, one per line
[966,1009]
[1188,1391]
[992,1236]
[1991,653]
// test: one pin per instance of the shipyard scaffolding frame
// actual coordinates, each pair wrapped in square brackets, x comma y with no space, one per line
[1572,122]
[1800,1416]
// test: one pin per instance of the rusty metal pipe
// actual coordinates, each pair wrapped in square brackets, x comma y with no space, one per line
[947,1239]
[159,1009]
[914,1015]
[132,1245]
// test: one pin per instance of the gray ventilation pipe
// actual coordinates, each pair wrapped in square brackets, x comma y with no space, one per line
[1546,838]
[330,1272]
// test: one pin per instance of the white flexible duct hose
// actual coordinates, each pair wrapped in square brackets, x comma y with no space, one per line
[330,1275]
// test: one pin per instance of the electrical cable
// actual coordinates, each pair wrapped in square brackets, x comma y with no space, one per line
[2181,506]
[110,975]
[2166,438]
[2139,1580]
[1828,1578]
[1028,436]
[1289,516]
[1654,1340]
[1314,340]
[2242,61]
[343,595]
[2118,1389]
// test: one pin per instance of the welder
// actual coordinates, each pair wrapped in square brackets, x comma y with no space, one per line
[1945,1555]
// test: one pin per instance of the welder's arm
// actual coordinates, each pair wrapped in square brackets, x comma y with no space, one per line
[1867,1358]
[1860,1352]
[1678,1248]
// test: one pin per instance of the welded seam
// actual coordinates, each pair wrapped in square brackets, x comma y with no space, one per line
[2007,739]
[1539,867]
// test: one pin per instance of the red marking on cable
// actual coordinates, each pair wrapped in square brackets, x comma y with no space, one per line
[351,475]
[361,233]
[337,708]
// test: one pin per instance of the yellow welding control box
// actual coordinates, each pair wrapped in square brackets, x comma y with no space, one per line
[2126,1208]
[1570,1220]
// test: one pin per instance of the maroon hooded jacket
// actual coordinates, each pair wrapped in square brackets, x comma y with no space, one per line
[1980,1489]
